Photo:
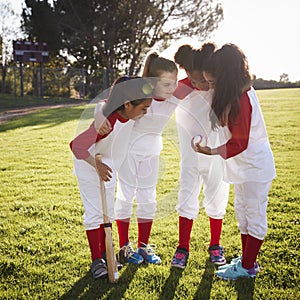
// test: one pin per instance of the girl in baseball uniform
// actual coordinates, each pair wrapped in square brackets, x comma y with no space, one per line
[196,170]
[137,177]
[126,102]
[249,163]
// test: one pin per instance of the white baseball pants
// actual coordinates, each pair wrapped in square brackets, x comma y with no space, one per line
[250,204]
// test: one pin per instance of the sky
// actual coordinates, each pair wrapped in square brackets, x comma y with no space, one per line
[268,31]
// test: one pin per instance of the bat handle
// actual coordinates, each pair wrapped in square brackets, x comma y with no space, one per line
[98,158]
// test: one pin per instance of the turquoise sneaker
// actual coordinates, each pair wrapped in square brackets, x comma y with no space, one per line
[147,252]
[235,260]
[216,253]
[235,271]
[127,254]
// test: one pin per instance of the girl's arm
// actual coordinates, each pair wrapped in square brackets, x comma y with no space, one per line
[81,144]
[101,124]
[240,132]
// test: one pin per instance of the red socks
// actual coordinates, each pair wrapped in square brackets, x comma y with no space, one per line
[244,238]
[96,239]
[215,231]
[144,230]
[123,229]
[185,228]
[250,250]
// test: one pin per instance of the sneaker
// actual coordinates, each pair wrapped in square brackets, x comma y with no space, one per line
[119,265]
[180,258]
[147,252]
[99,268]
[127,254]
[216,253]
[237,259]
[235,271]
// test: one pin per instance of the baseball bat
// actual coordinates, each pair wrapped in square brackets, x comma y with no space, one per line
[111,261]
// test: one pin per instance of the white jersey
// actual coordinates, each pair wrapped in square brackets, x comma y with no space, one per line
[256,163]
[146,136]
[192,117]
[114,148]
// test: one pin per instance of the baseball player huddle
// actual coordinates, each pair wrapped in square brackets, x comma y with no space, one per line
[222,139]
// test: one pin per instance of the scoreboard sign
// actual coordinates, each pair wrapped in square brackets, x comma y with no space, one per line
[26,51]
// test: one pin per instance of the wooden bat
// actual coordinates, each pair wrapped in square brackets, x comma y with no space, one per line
[111,261]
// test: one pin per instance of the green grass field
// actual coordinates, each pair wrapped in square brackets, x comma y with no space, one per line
[44,252]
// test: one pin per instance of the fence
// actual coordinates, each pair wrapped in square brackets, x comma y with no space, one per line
[55,82]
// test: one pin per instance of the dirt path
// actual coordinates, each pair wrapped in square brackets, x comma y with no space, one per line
[15,113]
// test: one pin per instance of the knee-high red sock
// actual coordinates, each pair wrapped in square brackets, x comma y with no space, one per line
[215,231]
[123,230]
[244,238]
[95,237]
[144,230]
[185,228]
[251,251]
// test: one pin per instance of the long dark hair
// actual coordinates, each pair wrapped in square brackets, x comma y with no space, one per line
[229,68]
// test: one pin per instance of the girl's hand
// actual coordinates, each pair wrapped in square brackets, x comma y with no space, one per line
[104,171]
[204,150]
[103,128]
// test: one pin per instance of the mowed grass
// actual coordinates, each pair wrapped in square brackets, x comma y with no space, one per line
[44,252]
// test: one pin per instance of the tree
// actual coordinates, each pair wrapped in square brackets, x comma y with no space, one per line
[284,77]
[9,30]
[116,34]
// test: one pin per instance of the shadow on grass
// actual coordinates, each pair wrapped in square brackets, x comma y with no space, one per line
[90,289]
[244,288]
[204,289]
[169,288]
[47,118]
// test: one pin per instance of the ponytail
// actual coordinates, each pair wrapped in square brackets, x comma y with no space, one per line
[155,65]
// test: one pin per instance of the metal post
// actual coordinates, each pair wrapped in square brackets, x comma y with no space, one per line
[15,81]
[21,80]
[82,89]
[41,80]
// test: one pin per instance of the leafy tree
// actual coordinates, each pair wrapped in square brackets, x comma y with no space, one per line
[117,34]
[284,77]
[9,30]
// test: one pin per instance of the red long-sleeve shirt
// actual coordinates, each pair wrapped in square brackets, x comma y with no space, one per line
[81,144]
[240,130]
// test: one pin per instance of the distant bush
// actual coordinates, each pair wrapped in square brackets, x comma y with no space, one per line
[261,84]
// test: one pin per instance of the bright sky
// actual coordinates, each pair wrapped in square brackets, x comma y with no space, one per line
[268,31]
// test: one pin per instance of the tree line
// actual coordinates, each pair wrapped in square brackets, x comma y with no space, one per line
[104,38]
[114,35]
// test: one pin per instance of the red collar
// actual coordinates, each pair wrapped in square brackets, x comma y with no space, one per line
[159,99]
